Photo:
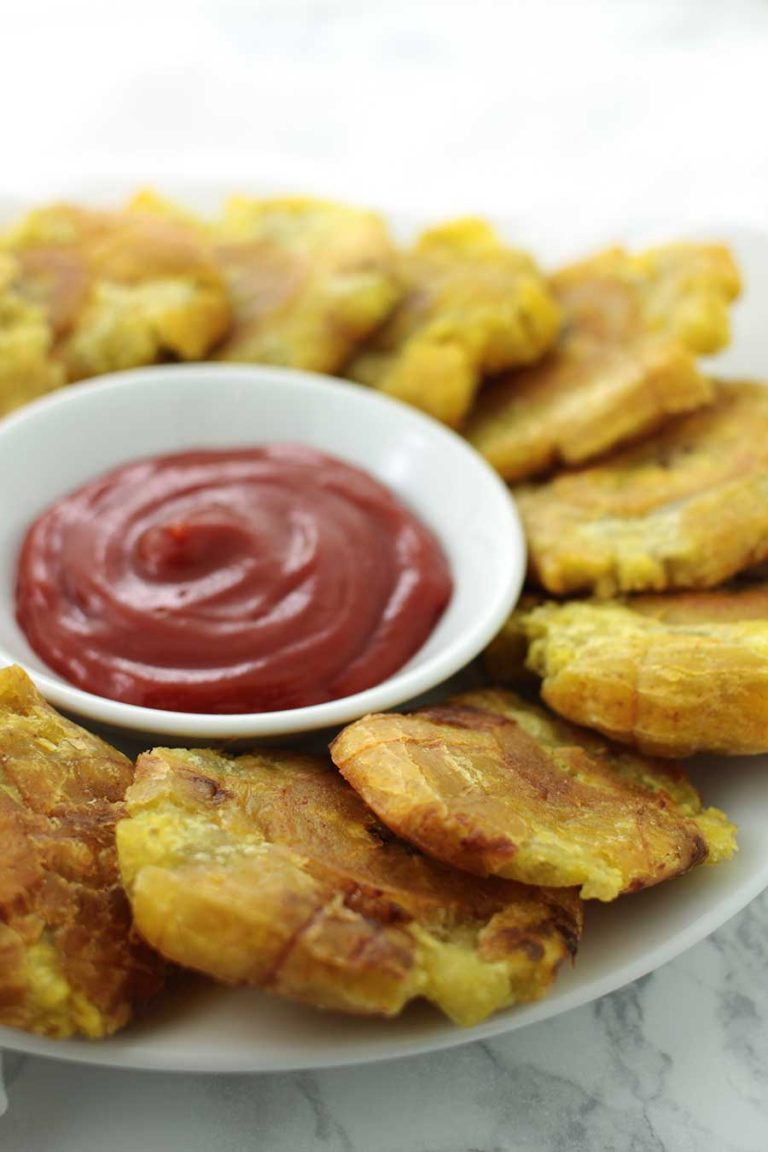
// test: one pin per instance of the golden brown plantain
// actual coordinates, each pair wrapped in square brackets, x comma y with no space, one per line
[69,959]
[624,362]
[670,675]
[685,508]
[27,368]
[471,306]
[120,289]
[308,280]
[495,785]
[268,870]
[504,660]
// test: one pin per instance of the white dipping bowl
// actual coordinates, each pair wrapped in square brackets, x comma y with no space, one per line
[56,444]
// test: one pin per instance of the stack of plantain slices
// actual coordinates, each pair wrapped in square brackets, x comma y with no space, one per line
[446,859]
[442,854]
[668,650]
[647,612]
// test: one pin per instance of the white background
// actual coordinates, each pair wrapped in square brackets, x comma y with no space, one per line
[568,116]
[619,108]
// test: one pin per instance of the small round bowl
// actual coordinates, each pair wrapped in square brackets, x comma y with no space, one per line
[57,443]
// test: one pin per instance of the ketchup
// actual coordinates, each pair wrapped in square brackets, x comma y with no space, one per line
[244,580]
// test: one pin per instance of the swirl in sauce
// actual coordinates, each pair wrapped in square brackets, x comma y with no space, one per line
[225,581]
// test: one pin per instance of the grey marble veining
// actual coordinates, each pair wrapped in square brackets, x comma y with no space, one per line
[677,1062]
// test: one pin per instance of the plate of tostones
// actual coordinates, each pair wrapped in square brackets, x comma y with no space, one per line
[578,807]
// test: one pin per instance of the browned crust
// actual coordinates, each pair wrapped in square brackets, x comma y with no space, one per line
[669,674]
[624,363]
[279,876]
[493,785]
[686,508]
[70,958]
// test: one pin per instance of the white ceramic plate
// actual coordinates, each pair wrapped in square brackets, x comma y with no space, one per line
[200,1027]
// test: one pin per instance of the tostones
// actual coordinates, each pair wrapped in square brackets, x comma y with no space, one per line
[308,280]
[495,785]
[119,289]
[671,675]
[624,363]
[27,367]
[470,307]
[686,508]
[269,870]
[69,958]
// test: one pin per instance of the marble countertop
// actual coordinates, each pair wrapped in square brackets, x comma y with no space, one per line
[562,113]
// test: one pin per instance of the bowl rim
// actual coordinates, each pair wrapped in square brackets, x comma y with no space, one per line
[402,685]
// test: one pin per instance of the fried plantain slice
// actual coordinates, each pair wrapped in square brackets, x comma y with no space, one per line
[471,306]
[624,362]
[27,368]
[684,509]
[495,785]
[69,960]
[681,289]
[308,280]
[120,289]
[268,870]
[670,675]
[504,660]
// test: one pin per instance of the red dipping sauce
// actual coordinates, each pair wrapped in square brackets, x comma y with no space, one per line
[244,580]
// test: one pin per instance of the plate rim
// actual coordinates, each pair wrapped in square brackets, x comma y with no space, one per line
[79,1051]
